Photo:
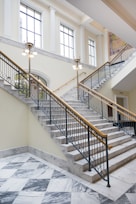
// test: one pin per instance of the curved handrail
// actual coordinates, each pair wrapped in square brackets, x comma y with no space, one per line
[20,68]
[126,46]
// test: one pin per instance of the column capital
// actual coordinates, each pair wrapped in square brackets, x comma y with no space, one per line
[52,9]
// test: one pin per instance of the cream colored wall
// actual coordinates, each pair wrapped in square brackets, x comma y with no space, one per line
[106,90]
[67,17]
[41,139]
[13,122]
[56,71]
[112,94]
[132,100]
[1,18]
[20,128]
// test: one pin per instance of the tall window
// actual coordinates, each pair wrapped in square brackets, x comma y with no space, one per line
[30,25]
[66,42]
[92,52]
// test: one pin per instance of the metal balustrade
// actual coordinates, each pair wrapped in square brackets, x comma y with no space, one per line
[107,70]
[91,143]
[119,116]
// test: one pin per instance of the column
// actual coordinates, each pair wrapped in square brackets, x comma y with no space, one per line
[7,19]
[100,53]
[82,44]
[106,45]
[52,30]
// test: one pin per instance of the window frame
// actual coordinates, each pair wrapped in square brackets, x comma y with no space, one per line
[32,32]
[92,51]
[69,48]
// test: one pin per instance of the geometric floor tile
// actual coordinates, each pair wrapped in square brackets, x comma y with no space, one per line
[25,179]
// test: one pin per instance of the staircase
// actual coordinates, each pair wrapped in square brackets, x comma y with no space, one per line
[105,72]
[123,145]
[51,113]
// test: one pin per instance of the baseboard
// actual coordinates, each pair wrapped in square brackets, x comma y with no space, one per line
[49,158]
[42,155]
[13,151]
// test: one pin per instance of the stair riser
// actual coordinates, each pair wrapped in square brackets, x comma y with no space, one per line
[103,126]
[78,156]
[112,168]
[121,151]
[110,130]
[121,141]
[85,167]
[97,122]
[116,135]
[121,163]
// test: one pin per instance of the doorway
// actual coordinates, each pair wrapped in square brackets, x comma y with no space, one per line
[122,101]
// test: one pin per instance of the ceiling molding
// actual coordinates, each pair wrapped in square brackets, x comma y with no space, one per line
[124,10]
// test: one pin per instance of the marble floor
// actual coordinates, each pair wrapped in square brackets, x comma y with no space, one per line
[26,179]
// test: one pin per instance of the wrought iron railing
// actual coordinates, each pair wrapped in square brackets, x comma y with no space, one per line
[119,116]
[91,143]
[106,71]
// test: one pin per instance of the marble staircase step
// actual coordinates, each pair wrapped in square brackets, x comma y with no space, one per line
[120,148]
[119,140]
[97,121]
[109,129]
[114,163]
[116,134]
[103,125]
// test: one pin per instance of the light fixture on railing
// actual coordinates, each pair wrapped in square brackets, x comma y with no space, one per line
[77,66]
[30,52]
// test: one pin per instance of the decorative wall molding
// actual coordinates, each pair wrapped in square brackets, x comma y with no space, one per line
[41,51]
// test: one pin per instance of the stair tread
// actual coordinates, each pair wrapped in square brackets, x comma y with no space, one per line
[119,138]
[119,147]
[113,160]
[113,133]
[103,129]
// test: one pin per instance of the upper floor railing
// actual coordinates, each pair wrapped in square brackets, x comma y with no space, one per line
[106,71]
[76,128]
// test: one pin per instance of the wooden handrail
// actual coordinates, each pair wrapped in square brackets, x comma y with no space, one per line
[93,73]
[127,46]
[65,84]
[119,108]
[62,102]
[14,63]
[83,121]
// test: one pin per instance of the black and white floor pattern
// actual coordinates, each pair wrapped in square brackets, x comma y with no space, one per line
[25,179]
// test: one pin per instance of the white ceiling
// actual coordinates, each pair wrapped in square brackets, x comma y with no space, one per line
[118,16]
[127,84]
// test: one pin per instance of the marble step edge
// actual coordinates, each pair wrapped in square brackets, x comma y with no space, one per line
[111,141]
[114,164]
[69,147]
[75,155]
